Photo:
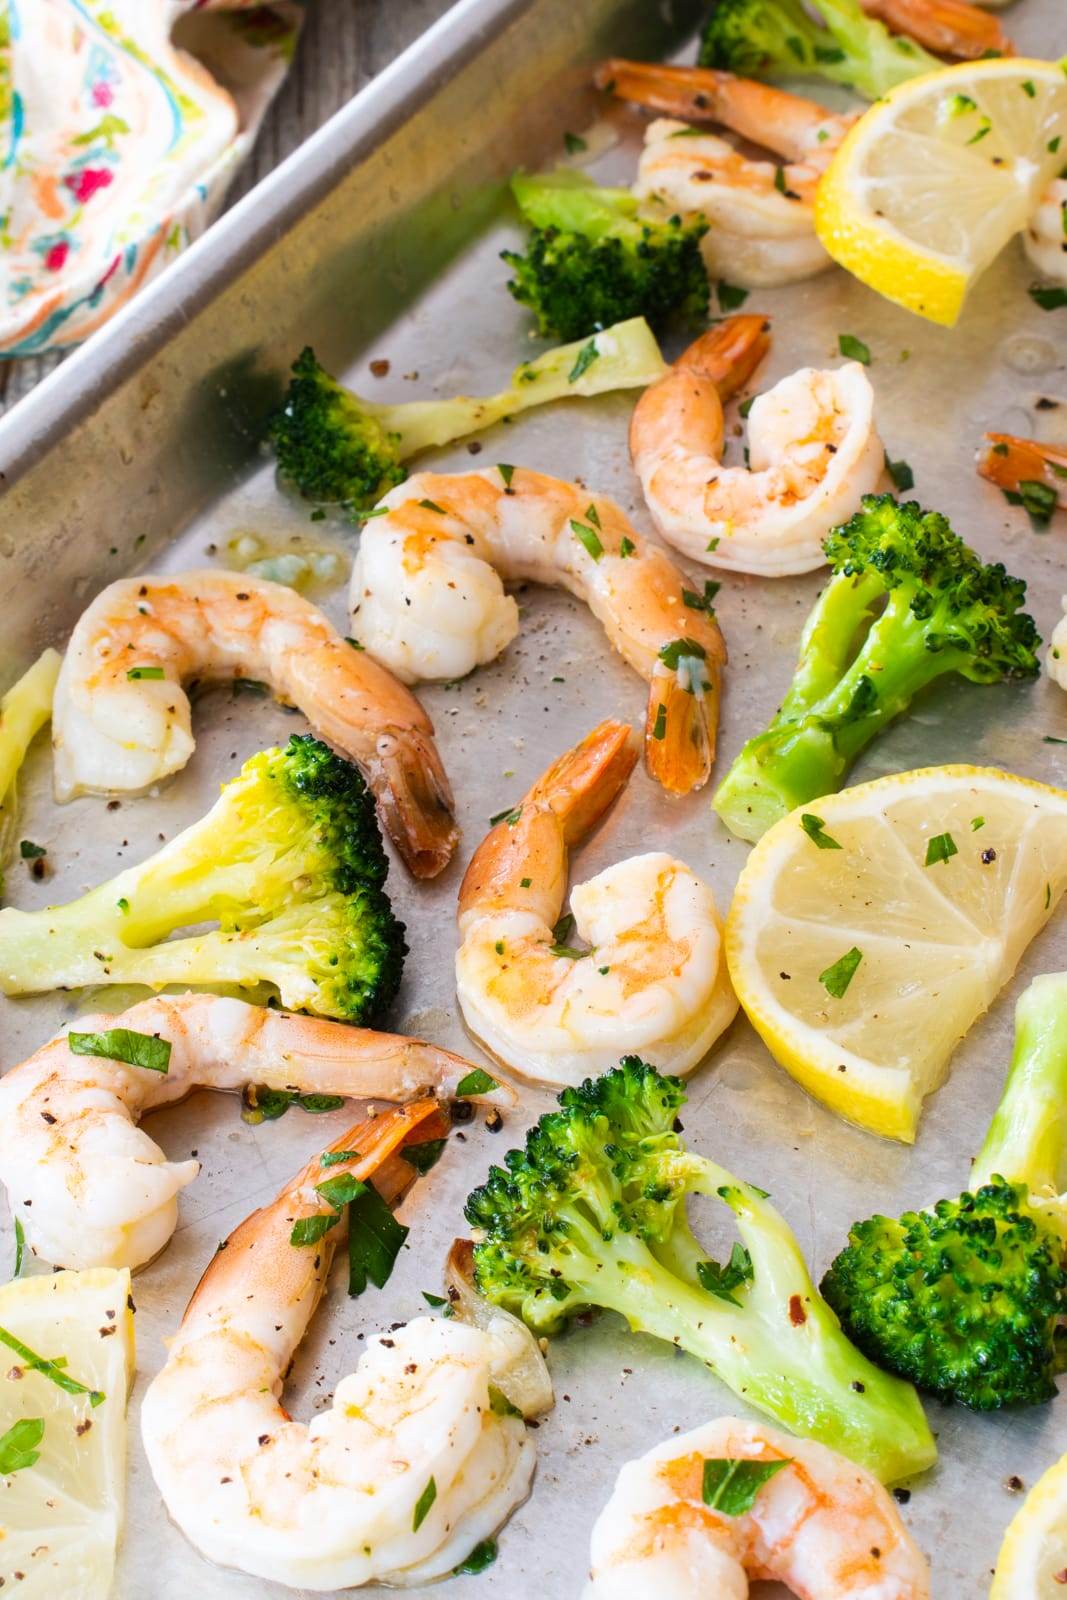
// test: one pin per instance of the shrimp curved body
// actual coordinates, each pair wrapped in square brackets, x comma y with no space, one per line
[762,214]
[822,1526]
[428,598]
[654,980]
[347,1499]
[121,720]
[93,1190]
[1045,235]
[814,452]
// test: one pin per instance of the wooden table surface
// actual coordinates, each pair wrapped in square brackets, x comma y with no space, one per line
[343,44]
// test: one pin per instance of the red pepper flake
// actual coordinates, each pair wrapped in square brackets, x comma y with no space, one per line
[797,1315]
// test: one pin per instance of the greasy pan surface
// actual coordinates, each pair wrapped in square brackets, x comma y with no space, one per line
[380,241]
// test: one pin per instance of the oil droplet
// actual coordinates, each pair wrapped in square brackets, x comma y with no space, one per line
[1029,354]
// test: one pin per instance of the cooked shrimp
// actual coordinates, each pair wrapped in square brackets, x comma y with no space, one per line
[410,1468]
[654,980]
[947,27]
[762,215]
[822,1526]
[93,1190]
[1045,236]
[814,453]
[1017,464]
[121,718]
[428,598]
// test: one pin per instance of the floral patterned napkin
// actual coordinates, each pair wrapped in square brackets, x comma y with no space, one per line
[121,124]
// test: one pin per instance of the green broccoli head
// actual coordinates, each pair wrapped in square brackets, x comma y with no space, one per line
[964,1299]
[967,1298]
[907,602]
[330,443]
[779,38]
[594,258]
[289,863]
[591,1213]
[964,605]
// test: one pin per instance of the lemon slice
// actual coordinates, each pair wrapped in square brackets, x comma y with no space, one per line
[1032,1564]
[935,943]
[61,1516]
[933,181]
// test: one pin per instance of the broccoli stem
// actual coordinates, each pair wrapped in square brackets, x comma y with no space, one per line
[832,711]
[872,60]
[625,356]
[1025,1141]
[781,1348]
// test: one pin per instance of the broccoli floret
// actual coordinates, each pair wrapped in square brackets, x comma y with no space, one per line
[339,448]
[967,1297]
[592,1213]
[597,255]
[288,863]
[907,602]
[778,38]
[24,710]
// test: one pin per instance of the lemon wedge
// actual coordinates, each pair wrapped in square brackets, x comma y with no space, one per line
[931,183]
[1032,1564]
[62,1456]
[867,934]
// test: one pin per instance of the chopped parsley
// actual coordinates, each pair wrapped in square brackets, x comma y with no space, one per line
[659,727]
[583,361]
[589,538]
[732,1486]
[574,144]
[424,1156]
[333,1158]
[815,827]
[836,979]
[510,816]
[475,1082]
[309,1230]
[482,1556]
[145,672]
[123,1044]
[20,1246]
[374,1241]
[626,547]
[1050,297]
[30,851]
[723,1280]
[506,472]
[422,1505]
[52,1370]
[942,847]
[853,349]
[431,505]
[18,1446]
[730,295]
[901,474]
[702,602]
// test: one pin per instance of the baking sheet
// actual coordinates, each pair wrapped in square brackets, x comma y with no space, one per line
[617,1394]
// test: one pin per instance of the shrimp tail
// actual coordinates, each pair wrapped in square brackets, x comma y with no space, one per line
[374,1146]
[681,727]
[728,354]
[780,121]
[947,27]
[585,782]
[415,799]
[1011,462]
